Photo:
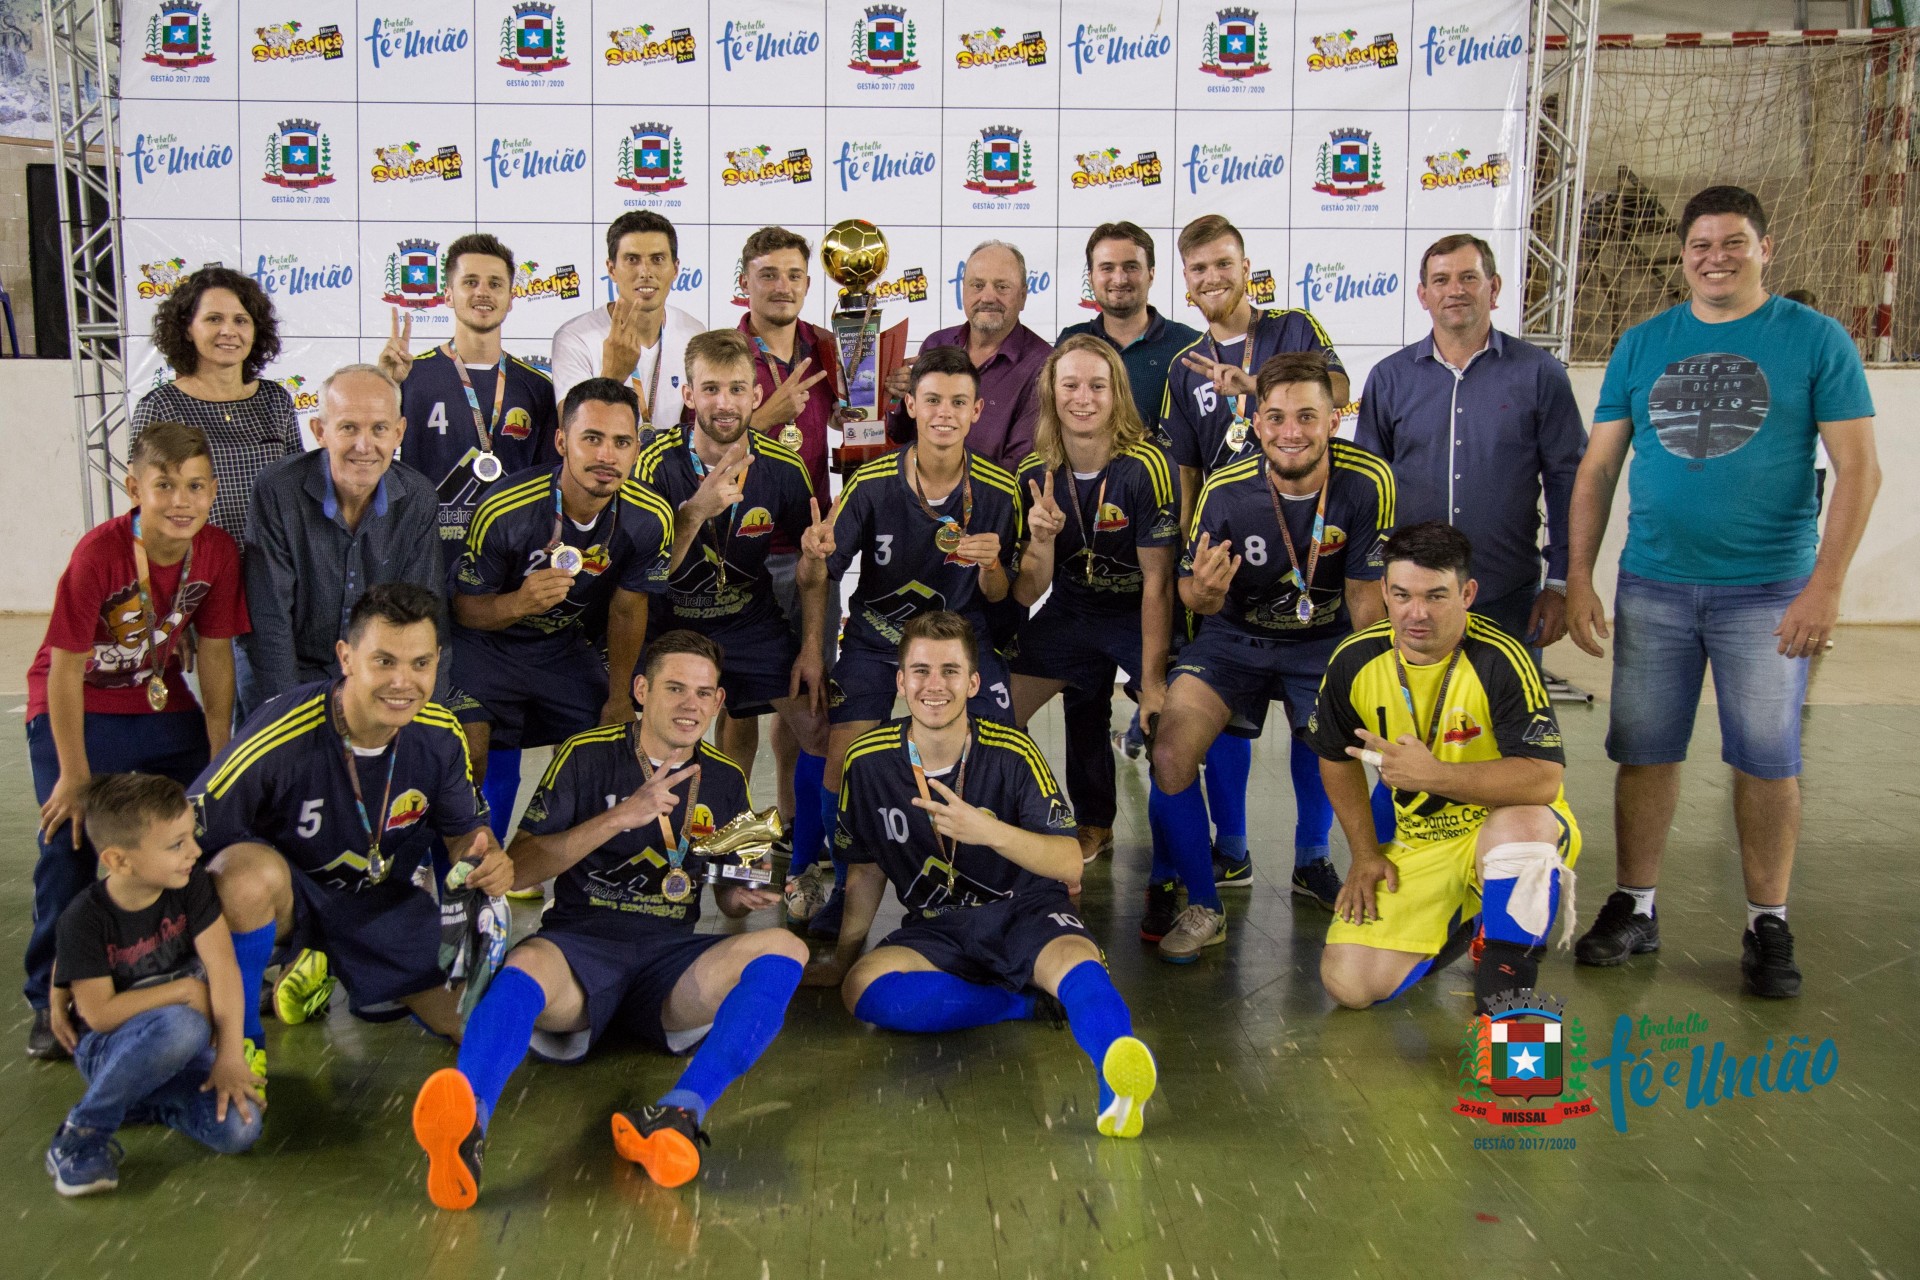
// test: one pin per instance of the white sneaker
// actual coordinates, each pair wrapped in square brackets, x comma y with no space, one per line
[1193,930]
[807,892]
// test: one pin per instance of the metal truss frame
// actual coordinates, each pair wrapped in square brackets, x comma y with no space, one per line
[1559,102]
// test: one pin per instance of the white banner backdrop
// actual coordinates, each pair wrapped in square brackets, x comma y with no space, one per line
[331,149]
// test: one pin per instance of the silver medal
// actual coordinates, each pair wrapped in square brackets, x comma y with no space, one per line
[568,559]
[487,468]
[1304,610]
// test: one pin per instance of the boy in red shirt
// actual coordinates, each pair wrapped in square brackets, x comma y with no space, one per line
[105,693]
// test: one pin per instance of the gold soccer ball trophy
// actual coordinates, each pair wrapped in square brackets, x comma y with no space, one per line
[854,254]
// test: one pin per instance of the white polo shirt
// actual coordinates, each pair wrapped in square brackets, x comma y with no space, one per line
[576,357]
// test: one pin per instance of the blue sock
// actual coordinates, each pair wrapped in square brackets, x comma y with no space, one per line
[253,950]
[1384,822]
[745,1024]
[1229,761]
[928,1000]
[1498,924]
[1183,820]
[1163,869]
[809,812]
[1313,812]
[501,789]
[498,1032]
[1096,1015]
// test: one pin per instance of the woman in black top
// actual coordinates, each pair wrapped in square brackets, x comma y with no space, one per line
[218,331]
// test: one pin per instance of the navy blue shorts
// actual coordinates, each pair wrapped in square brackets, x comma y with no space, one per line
[533,696]
[1083,649]
[756,661]
[382,943]
[627,974]
[1250,673]
[994,944]
[862,687]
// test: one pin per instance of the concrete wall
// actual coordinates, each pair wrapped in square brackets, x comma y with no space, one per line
[40,492]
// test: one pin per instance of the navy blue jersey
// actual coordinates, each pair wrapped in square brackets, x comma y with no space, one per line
[629,546]
[1139,506]
[774,502]
[283,782]
[1237,504]
[1006,775]
[441,441]
[902,572]
[1194,417]
[593,771]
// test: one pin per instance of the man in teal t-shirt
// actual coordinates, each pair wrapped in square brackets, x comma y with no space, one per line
[1722,400]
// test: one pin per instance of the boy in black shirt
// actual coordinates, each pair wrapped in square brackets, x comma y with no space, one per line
[151,966]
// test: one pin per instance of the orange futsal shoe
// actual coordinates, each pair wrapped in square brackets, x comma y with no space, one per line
[665,1141]
[446,1122]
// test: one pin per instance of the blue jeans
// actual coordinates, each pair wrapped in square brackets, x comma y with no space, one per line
[148,1070]
[170,743]
[1665,635]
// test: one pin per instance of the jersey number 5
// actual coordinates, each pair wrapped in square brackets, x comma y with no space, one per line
[309,826]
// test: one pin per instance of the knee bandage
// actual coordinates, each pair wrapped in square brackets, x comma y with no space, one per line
[1518,893]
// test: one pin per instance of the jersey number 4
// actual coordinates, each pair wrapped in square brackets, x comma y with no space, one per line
[437,420]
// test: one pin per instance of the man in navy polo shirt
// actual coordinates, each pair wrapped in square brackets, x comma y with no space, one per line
[1475,424]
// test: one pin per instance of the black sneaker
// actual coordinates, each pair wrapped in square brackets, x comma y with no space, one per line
[1232,873]
[1317,881]
[665,1141]
[1049,1010]
[1503,967]
[1619,932]
[41,1042]
[1766,958]
[1163,904]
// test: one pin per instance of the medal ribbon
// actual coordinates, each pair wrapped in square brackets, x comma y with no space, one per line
[653,380]
[377,867]
[677,847]
[952,856]
[1313,548]
[481,426]
[1439,703]
[1246,366]
[149,620]
[1079,517]
[966,492]
[732,518]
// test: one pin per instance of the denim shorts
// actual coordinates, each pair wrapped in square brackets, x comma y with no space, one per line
[1665,634]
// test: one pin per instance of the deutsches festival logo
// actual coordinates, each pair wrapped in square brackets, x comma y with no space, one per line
[909,286]
[1456,169]
[529,283]
[303,398]
[1349,165]
[884,42]
[413,275]
[1104,44]
[282,42]
[179,36]
[1235,45]
[990,47]
[533,39]
[410,162]
[1342,51]
[158,279]
[650,159]
[299,156]
[1106,168]
[1261,288]
[999,162]
[1523,1062]
[755,166]
[636,46]
[1219,164]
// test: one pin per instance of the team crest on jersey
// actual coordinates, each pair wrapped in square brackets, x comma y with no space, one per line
[406,810]
[1542,731]
[1109,519]
[1334,539]
[595,560]
[1059,816]
[700,822]
[756,523]
[517,425]
[1166,524]
[1461,728]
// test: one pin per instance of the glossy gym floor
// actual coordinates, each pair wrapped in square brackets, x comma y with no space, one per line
[1286,1139]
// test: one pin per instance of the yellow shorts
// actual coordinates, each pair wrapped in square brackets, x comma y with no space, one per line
[1439,888]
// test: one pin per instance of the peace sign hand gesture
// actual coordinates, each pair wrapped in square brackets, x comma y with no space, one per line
[654,800]
[817,543]
[1045,519]
[789,398]
[954,818]
[1227,379]
[396,358]
[724,484]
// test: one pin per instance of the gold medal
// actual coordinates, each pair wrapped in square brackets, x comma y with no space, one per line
[677,886]
[790,436]
[157,692]
[1237,435]
[567,559]
[947,537]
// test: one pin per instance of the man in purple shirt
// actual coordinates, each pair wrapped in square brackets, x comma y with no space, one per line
[1007,354]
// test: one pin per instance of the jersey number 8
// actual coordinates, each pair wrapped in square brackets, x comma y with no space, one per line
[1256,549]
